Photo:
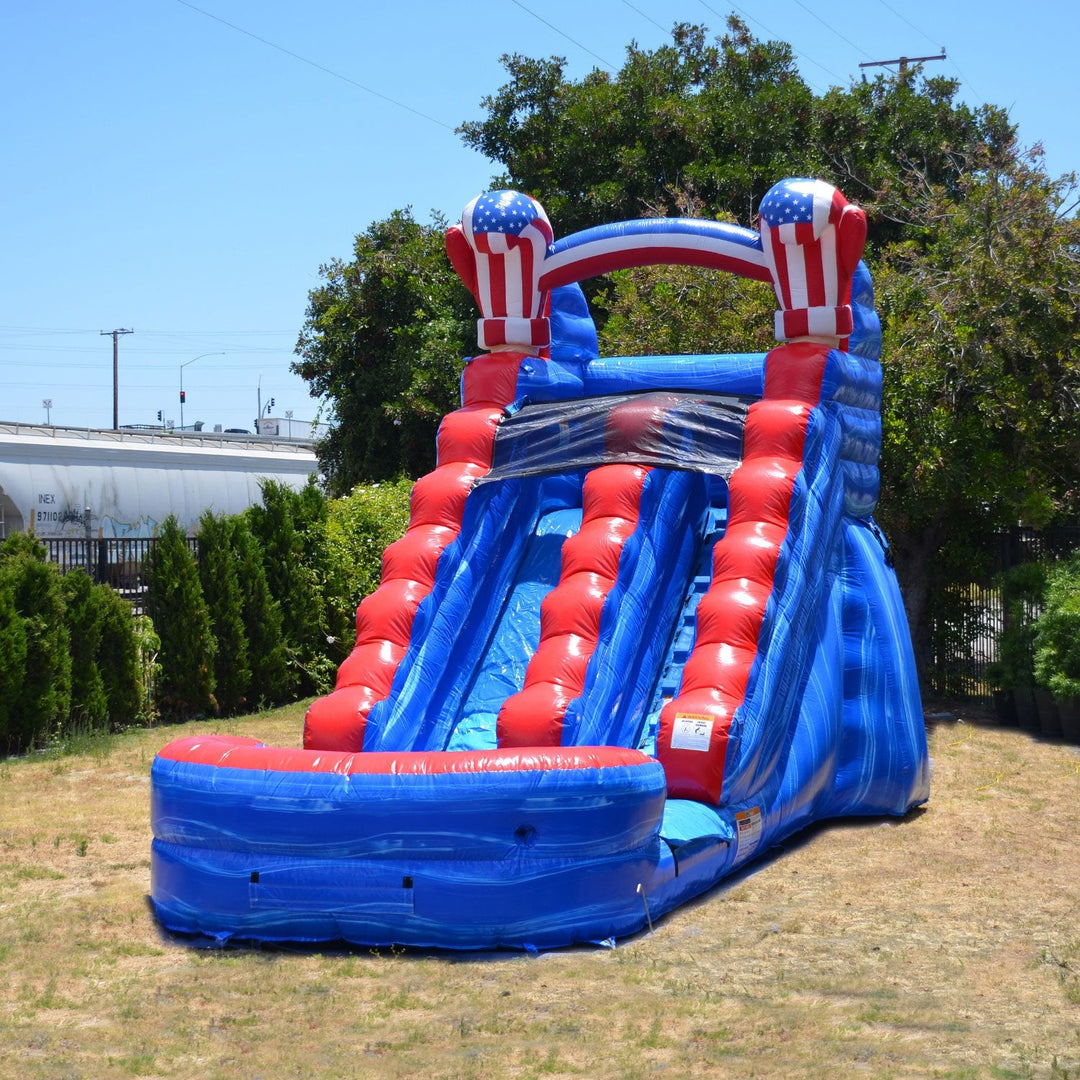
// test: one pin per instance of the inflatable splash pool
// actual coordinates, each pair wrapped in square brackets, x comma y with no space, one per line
[641,628]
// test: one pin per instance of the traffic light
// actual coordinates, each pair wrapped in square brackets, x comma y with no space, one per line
[270,406]
[183,396]
[159,414]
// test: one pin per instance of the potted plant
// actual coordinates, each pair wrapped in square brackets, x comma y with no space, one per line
[1057,644]
[1023,588]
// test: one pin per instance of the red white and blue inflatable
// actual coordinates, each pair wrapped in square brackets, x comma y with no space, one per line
[642,626]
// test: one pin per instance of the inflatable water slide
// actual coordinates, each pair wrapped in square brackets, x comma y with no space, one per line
[641,628]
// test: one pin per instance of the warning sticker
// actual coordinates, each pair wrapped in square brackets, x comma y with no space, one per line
[691,731]
[748,826]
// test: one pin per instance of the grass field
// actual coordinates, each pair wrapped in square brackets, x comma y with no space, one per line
[943,945]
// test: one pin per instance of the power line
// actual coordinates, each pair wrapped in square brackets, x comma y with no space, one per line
[904,18]
[647,18]
[561,33]
[175,333]
[918,30]
[775,36]
[830,27]
[314,64]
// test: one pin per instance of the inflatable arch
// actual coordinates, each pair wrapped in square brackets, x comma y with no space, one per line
[641,627]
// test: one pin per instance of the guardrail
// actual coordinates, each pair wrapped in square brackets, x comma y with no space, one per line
[168,436]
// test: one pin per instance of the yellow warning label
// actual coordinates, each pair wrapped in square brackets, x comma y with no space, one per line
[748,828]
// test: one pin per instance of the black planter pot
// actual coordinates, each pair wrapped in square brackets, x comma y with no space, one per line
[1069,714]
[1005,708]
[1049,719]
[1027,714]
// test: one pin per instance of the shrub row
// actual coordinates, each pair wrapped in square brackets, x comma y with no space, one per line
[262,615]
[1038,666]
[266,610]
[72,658]
[1040,643]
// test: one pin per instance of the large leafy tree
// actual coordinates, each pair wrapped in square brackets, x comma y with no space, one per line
[384,339]
[723,120]
[972,245]
[982,353]
[884,140]
[978,297]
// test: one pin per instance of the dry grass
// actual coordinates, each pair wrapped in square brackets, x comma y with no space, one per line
[946,945]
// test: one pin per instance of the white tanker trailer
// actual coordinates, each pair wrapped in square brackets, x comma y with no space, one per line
[84,482]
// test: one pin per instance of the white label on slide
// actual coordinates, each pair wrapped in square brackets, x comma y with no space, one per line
[691,731]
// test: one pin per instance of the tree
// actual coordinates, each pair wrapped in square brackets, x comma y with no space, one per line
[288,528]
[721,124]
[981,335]
[175,603]
[384,339]
[723,121]
[12,665]
[876,137]
[272,680]
[224,599]
[972,245]
[84,616]
[979,342]
[118,658]
[42,701]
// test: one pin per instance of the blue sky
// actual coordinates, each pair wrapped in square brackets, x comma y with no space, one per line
[165,171]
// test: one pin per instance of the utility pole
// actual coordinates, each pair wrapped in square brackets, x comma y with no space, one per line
[903,61]
[116,373]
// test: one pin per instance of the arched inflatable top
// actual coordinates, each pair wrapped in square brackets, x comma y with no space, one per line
[648,241]
[808,248]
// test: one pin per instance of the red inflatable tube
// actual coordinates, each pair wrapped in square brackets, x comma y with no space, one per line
[384,619]
[239,752]
[694,726]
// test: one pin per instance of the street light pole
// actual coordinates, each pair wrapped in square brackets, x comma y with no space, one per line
[184,365]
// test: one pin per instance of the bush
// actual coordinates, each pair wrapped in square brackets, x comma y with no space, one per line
[1057,632]
[273,681]
[221,589]
[288,527]
[12,664]
[148,660]
[359,527]
[175,603]
[40,704]
[118,660]
[1023,594]
[84,616]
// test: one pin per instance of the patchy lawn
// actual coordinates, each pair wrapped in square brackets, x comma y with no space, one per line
[943,945]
